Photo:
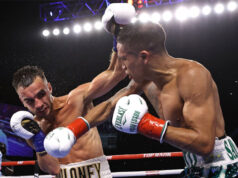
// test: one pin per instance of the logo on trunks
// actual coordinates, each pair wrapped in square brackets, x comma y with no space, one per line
[92,170]
[121,112]
[231,149]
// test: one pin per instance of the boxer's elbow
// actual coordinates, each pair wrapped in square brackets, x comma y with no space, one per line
[206,146]
[51,169]
[49,164]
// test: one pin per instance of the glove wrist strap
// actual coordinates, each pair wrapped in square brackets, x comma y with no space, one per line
[79,126]
[38,141]
[153,127]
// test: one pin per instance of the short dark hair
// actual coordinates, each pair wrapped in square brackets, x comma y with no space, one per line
[26,75]
[143,36]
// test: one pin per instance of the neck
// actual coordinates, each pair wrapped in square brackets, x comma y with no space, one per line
[161,69]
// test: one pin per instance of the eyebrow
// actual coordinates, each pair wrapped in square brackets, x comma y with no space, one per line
[121,57]
[40,92]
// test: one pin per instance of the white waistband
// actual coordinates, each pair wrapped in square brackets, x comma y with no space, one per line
[93,168]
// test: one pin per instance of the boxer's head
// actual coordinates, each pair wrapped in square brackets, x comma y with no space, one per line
[137,43]
[33,90]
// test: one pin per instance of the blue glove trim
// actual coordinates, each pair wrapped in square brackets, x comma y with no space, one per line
[38,141]
[115,43]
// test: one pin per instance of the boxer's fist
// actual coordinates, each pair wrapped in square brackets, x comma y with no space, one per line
[117,14]
[59,142]
[131,116]
[18,123]
[24,126]
[128,113]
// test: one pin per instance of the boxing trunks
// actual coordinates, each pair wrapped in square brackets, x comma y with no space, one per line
[221,163]
[92,168]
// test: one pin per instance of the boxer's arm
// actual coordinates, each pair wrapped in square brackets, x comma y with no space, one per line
[106,80]
[104,110]
[199,111]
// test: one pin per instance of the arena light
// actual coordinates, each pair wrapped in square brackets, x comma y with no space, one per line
[181,13]
[77,28]
[66,30]
[167,16]
[232,6]
[144,17]
[56,32]
[194,12]
[219,8]
[45,32]
[206,10]
[133,20]
[155,17]
[87,27]
[98,25]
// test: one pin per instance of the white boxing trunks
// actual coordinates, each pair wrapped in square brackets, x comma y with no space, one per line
[92,168]
[221,163]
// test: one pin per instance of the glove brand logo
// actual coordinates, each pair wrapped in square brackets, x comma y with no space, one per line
[121,112]
[134,123]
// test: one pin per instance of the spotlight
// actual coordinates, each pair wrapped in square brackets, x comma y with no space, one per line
[206,10]
[167,16]
[66,31]
[56,31]
[194,12]
[45,32]
[98,25]
[219,8]
[133,20]
[144,17]
[231,6]
[155,17]
[77,28]
[181,13]
[87,27]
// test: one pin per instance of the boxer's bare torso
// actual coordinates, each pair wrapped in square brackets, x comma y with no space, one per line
[64,110]
[175,99]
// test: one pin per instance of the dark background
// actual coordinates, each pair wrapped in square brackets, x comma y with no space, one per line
[70,61]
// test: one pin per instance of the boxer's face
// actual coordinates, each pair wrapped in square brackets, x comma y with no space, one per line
[37,97]
[132,63]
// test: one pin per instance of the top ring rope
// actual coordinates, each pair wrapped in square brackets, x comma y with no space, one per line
[112,157]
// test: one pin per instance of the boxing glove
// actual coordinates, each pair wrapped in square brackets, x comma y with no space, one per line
[117,14]
[24,126]
[59,141]
[131,116]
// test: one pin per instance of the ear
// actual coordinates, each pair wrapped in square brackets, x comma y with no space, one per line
[49,87]
[145,55]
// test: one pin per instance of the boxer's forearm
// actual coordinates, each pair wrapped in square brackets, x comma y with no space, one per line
[190,140]
[48,164]
[107,79]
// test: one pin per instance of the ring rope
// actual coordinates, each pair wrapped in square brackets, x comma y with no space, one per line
[147,173]
[122,174]
[112,157]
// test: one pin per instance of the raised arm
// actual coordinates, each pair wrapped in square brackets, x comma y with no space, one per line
[106,80]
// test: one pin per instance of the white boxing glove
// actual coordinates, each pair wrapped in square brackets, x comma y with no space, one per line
[131,116]
[59,142]
[23,125]
[16,124]
[128,112]
[121,12]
